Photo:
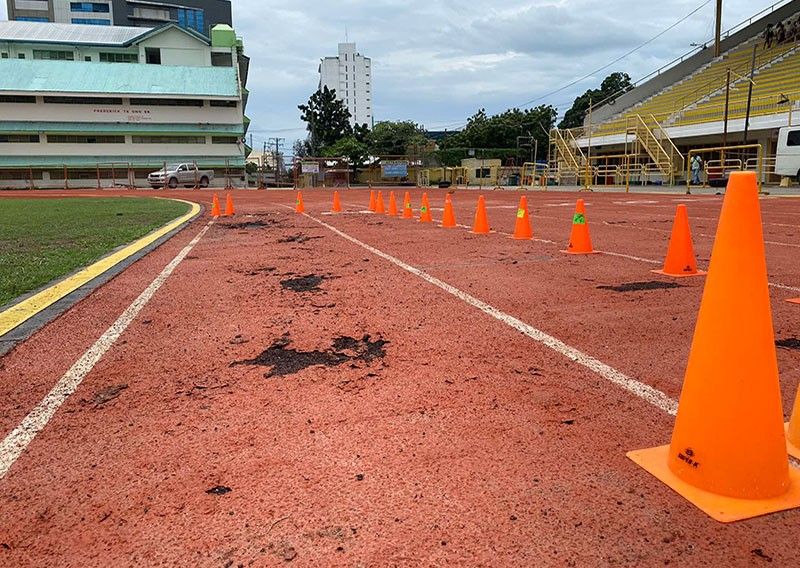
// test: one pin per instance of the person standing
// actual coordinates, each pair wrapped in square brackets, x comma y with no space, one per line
[697,166]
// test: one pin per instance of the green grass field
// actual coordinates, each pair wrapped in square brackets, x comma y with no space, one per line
[45,239]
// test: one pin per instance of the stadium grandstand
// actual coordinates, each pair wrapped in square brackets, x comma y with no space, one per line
[726,102]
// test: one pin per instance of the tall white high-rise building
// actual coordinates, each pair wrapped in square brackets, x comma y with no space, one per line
[350,75]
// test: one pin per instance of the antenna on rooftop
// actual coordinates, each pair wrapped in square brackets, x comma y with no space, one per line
[346,35]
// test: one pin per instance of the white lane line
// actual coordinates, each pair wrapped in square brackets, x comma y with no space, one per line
[646,392]
[630,257]
[20,438]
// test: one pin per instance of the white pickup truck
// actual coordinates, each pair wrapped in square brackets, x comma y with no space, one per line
[174,175]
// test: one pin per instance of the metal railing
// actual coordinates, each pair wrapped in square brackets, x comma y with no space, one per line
[725,164]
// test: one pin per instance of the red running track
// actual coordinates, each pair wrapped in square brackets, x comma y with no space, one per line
[468,444]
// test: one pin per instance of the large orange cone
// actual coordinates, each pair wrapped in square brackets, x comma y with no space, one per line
[229,210]
[372,202]
[681,261]
[793,430]
[215,210]
[408,211]
[380,206]
[523,230]
[580,242]
[337,203]
[392,212]
[425,210]
[728,453]
[481,226]
[449,217]
[300,207]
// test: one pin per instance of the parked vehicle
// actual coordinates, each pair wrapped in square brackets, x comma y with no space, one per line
[186,175]
[787,162]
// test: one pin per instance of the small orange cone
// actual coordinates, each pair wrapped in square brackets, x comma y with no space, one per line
[337,203]
[523,230]
[408,211]
[580,242]
[481,226]
[793,430]
[299,205]
[794,301]
[229,210]
[392,212]
[728,452]
[372,203]
[449,217]
[425,210]
[681,261]
[380,206]
[215,211]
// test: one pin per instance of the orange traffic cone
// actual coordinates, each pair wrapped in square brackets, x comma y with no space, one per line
[229,211]
[300,206]
[215,212]
[580,242]
[425,210]
[372,203]
[392,212]
[408,212]
[728,453]
[481,226]
[380,206]
[681,261]
[449,217]
[337,203]
[793,430]
[523,230]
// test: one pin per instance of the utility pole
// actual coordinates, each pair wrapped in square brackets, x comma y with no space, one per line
[718,36]
[277,156]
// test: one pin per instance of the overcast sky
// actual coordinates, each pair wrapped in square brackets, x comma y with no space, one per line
[437,61]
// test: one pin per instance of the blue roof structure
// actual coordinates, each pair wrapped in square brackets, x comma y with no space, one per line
[108,79]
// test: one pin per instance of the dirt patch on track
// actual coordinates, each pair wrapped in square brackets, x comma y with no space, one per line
[299,238]
[792,343]
[285,360]
[309,283]
[641,286]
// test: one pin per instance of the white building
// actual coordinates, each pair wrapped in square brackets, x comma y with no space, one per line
[350,75]
[76,98]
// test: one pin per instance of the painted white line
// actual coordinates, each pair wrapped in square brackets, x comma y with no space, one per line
[784,287]
[646,392]
[21,437]
[630,257]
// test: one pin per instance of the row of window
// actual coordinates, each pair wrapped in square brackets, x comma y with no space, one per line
[112,139]
[90,7]
[91,22]
[112,101]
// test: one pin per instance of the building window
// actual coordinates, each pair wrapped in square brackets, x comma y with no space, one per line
[4,55]
[21,56]
[225,104]
[17,99]
[152,55]
[169,139]
[168,102]
[794,138]
[84,139]
[87,57]
[19,138]
[224,139]
[53,55]
[83,100]
[89,7]
[483,173]
[119,57]
[192,19]
[31,19]
[91,22]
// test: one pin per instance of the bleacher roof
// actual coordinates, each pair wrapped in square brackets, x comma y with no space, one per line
[79,77]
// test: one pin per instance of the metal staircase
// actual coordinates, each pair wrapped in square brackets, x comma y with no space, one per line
[650,138]
[567,157]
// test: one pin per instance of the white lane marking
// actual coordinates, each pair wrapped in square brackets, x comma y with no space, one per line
[20,438]
[646,392]
[630,257]
[784,287]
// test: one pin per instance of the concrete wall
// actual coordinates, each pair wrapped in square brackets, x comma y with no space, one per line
[178,48]
[690,65]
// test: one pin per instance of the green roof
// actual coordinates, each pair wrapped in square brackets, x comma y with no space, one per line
[42,76]
[38,162]
[125,127]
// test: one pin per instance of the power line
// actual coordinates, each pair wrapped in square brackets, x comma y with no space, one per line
[631,52]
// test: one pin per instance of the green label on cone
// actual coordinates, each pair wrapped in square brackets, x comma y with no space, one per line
[424,209]
[579,219]
[520,214]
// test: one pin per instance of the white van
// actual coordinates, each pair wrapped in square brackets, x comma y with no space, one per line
[787,162]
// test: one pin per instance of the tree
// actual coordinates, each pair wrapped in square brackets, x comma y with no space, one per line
[504,130]
[612,86]
[356,152]
[327,120]
[396,138]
